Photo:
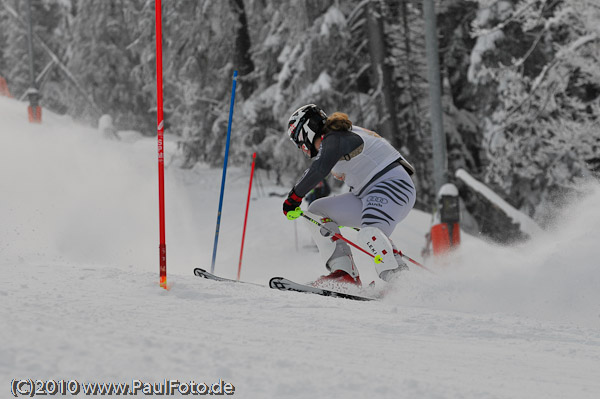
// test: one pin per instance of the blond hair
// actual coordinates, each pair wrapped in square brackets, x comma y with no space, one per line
[338,121]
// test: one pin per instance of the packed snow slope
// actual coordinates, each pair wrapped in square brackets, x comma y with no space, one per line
[80,299]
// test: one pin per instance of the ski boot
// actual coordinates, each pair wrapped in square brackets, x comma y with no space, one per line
[391,274]
[388,260]
[337,277]
[336,254]
[342,270]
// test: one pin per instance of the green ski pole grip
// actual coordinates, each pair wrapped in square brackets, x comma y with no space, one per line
[295,214]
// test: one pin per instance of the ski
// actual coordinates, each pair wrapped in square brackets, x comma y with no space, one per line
[284,284]
[203,273]
[209,276]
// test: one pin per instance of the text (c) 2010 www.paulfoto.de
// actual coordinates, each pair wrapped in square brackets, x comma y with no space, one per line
[31,388]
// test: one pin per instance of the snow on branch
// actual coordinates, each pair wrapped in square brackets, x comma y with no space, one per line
[561,55]
[477,32]
[356,16]
[56,60]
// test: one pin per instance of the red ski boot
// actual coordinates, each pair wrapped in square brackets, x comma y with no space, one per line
[336,279]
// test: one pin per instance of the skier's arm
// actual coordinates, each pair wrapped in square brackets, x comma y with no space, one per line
[333,147]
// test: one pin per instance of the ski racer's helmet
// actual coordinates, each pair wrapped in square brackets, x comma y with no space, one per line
[305,125]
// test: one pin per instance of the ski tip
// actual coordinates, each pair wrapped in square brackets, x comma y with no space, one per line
[273,282]
[200,272]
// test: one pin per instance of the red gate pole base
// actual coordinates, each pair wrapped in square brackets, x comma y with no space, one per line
[35,114]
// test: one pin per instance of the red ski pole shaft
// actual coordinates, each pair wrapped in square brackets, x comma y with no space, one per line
[246,217]
[337,235]
[408,258]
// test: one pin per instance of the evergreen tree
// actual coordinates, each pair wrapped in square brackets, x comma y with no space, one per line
[198,49]
[4,21]
[47,23]
[543,128]
[461,102]
[406,33]
[521,83]
[100,55]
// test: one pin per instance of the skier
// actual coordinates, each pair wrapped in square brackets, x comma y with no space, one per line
[381,191]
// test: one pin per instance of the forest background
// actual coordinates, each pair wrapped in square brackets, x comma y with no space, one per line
[521,82]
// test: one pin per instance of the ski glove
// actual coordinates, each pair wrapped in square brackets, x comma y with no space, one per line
[291,206]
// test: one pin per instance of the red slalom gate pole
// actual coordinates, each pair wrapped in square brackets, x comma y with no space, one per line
[161,158]
[246,217]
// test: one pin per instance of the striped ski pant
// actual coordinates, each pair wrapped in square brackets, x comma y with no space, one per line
[383,204]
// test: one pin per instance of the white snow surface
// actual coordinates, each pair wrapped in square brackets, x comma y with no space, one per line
[80,295]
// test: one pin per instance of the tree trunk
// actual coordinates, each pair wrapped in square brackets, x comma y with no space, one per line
[414,122]
[382,74]
[242,60]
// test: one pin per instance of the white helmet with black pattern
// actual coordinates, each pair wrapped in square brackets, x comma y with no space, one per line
[305,125]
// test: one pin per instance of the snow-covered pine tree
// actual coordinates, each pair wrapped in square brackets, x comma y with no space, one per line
[199,46]
[102,57]
[543,128]
[48,23]
[4,21]
[406,34]
[300,56]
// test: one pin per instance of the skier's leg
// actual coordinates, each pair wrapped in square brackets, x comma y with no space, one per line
[374,240]
[342,209]
[386,203]
[345,209]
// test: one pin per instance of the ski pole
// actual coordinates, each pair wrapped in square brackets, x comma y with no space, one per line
[246,217]
[336,235]
[411,260]
[408,258]
[214,256]
[356,246]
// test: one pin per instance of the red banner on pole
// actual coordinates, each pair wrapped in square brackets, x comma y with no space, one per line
[161,157]
[246,217]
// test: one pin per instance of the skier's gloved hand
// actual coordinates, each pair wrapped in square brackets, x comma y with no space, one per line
[290,204]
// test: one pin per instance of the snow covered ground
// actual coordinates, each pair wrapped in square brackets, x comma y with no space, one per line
[80,299]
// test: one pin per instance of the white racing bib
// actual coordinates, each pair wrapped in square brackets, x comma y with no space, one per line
[376,154]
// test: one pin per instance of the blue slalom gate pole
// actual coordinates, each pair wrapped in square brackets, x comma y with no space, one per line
[214,257]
